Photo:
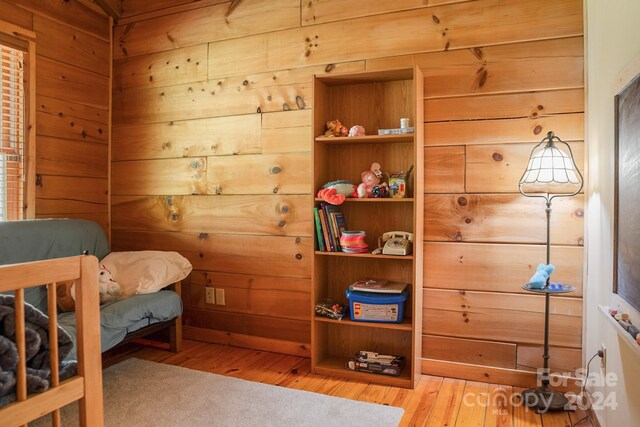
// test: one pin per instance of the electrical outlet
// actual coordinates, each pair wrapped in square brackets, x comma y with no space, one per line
[602,352]
[210,295]
[220,297]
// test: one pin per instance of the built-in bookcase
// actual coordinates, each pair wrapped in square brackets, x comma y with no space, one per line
[375,100]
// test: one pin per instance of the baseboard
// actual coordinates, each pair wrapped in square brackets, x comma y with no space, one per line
[490,374]
[246,341]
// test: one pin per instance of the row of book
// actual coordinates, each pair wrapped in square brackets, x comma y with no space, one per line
[330,224]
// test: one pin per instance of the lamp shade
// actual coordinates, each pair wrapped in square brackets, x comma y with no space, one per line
[551,169]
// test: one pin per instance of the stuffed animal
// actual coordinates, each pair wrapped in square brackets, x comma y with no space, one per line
[356,130]
[539,279]
[335,128]
[335,192]
[109,289]
[65,295]
[370,179]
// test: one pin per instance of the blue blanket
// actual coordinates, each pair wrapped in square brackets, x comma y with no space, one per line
[37,350]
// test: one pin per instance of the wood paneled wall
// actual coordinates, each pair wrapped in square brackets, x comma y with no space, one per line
[211,157]
[72,105]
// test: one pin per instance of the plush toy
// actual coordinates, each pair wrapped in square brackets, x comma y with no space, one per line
[109,288]
[356,130]
[335,128]
[370,179]
[335,192]
[539,279]
[65,295]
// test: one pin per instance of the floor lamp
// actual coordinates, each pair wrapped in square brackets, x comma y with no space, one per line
[551,173]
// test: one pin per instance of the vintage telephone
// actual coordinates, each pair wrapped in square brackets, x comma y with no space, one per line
[395,243]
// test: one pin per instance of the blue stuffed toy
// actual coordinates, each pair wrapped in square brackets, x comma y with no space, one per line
[539,279]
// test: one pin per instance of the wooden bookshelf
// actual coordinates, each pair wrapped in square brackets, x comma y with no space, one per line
[375,100]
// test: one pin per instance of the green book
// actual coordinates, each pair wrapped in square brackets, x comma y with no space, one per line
[321,245]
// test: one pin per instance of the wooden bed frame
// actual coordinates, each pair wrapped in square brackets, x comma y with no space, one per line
[86,386]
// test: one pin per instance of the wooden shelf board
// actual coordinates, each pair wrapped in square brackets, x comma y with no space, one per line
[626,337]
[334,366]
[365,139]
[404,326]
[367,255]
[374,200]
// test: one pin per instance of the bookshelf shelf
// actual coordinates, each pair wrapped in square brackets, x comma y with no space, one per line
[375,100]
[365,139]
[367,255]
[404,326]
[354,200]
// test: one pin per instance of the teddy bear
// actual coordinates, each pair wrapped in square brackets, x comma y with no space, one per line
[371,179]
[109,289]
[335,128]
[539,279]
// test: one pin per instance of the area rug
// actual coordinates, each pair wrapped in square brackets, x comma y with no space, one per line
[142,393]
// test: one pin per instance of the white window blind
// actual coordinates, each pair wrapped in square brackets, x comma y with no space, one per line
[12,112]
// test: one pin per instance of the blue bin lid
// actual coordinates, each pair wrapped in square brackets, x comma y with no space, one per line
[377,297]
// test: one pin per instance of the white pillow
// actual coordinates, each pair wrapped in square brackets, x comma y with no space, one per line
[144,272]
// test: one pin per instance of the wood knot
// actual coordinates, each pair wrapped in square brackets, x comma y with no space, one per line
[458,237]
[259,110]
[466,320]
[100,131]
[300,102]
[169,200]
[285,107]
[284,209]
[581,241]
[446,46]
[246,82]
[579,213]
[282,223]
[497,157]
[477,52]
[468,220]
[175,217]
[540,107]
[275,170]
[329,68]
[39,180]
[195,165]
[435,19]
[298,240]
[218,190]
[462,201]
[275,190]
[203,236]
[298,256]
[269,98]
[537,129]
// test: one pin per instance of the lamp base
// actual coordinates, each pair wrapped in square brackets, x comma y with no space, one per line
[544,399]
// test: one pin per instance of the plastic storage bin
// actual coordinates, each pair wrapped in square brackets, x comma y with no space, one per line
[377,307]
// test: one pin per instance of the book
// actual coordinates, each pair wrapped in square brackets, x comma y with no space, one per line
[378,286]
[325,230]
[395,131]
[330,211]
[321,246]
[340,224]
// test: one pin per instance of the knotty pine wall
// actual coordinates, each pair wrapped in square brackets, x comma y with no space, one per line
[72,105]
[207,105]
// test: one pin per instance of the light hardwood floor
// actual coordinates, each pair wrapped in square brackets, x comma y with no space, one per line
[436,402]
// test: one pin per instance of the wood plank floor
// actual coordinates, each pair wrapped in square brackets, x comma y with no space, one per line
[436,401]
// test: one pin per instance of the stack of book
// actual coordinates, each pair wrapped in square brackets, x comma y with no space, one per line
[330,224]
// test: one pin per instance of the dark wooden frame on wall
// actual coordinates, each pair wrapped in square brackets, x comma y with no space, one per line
[625,129]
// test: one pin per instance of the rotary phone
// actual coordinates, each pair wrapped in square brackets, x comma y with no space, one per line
[395,243]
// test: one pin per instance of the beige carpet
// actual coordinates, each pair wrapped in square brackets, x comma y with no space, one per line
[142,393]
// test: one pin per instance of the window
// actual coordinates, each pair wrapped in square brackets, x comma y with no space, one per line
[17,122]
[12,138]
